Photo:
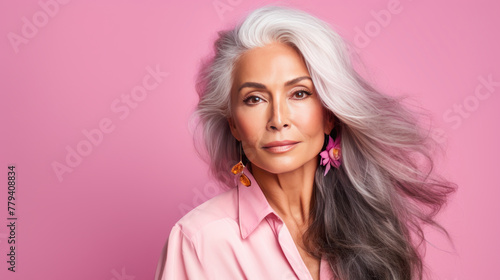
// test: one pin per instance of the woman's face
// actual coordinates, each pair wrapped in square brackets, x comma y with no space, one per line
[276,113]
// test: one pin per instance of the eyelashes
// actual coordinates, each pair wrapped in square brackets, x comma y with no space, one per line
[252,100]
[305,92]
[296,95]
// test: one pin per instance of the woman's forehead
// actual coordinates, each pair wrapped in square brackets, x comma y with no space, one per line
[276,61]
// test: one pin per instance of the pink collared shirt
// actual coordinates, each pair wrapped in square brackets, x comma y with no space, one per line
[234,235]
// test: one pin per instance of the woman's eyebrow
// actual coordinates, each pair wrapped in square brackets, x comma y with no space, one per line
[262,86]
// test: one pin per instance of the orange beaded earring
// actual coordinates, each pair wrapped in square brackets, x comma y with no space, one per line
[238,168]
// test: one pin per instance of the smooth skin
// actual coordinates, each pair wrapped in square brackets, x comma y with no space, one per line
[273,99]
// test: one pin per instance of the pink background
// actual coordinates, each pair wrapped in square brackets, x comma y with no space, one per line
[109,217]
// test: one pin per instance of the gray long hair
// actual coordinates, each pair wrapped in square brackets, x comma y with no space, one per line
[368,214]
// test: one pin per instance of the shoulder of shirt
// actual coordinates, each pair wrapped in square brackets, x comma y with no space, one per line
[223,206]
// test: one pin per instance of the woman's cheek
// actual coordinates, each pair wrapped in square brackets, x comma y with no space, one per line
[309,118]
[248,129]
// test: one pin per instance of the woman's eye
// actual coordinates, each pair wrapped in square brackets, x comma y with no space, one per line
[252,100]
[301,94]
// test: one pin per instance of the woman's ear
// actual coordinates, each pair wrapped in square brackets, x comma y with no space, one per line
[234,130]
[329,121]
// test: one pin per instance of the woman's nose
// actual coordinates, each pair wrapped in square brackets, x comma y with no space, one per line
[279,115]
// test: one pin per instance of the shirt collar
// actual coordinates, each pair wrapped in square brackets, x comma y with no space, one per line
[253,206]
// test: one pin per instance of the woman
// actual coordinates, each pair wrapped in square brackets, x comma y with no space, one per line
[333,179]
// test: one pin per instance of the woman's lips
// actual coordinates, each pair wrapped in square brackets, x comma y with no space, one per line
[280,146]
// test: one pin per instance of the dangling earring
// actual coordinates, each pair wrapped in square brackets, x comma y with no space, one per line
[332,155]
[238,168]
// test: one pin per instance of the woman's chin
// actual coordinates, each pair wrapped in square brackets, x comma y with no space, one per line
[281,166]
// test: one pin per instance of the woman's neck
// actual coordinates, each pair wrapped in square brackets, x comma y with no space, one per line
[289,194]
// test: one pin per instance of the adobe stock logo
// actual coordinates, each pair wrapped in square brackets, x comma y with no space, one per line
[464,109]
[122,107]
[209,190]
[40,19]
[373,28]
[121,276]
[470,103]
[221,7]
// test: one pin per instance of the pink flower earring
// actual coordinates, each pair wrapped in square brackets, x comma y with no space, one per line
[331,156]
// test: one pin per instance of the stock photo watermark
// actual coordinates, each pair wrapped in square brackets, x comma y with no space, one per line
[11,220]
[31,26]
[379,20]
[470,104]
[464,109]
[208,191]
[121,107]
[121,276]
[221,7]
